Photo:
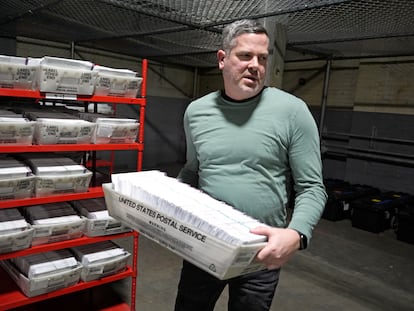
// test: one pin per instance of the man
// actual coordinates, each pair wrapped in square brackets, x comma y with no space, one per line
[243,143]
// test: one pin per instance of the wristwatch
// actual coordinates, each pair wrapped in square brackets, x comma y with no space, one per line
[303,242]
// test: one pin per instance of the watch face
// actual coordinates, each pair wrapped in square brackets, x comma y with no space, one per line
[303,241]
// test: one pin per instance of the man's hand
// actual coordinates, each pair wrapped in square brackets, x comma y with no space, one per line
[282,244]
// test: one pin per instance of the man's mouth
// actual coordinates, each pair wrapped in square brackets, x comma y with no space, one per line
[250,78]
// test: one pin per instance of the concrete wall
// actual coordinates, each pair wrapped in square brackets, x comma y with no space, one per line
[7,46]
[370,98]
[371,85]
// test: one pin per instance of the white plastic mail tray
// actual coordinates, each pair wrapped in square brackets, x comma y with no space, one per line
[13,226]
[14,169]
[116,82]
[100,260]
[16,131]
[62,131]
[73,183]
[223,260]
[17,188]
[64,170]
[67,76]
[57,229]
[15,234]
[45,284]
[15,74]
[45,263]
[15,241]
[97,219]
[114,130]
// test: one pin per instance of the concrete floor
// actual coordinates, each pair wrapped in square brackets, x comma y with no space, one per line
[344,268]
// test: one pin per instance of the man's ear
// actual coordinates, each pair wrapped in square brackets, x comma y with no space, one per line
[221,54]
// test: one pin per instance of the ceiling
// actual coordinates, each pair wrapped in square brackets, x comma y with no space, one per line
[188,32]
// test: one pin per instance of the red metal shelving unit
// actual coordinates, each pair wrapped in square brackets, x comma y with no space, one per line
[10,294]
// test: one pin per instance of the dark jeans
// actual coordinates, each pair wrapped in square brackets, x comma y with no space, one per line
[199,290]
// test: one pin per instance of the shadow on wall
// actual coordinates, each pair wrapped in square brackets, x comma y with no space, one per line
[164,139]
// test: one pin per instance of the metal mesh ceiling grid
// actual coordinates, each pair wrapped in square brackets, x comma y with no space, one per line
[188,32]
[353,20]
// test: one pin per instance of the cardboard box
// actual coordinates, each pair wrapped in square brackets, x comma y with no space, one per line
[42,285]
[15,74]
[67,76]
[116,82]
[218,258]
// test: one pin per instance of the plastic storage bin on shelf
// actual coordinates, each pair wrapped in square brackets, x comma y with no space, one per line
[100,260]
[116,82]
[61,75]
[43,273]
[15,232]
[60,128]
[15,74]
[97,219]
[110,130]
[54,222]
[16,179]
[15,130]
[55,174]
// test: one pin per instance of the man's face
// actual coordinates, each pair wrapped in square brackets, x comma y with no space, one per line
[244,67]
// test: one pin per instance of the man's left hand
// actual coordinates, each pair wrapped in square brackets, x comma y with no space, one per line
[281,245]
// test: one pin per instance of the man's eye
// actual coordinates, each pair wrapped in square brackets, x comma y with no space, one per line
[245,56]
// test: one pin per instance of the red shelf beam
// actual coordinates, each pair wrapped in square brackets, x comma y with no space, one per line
[36,94]
[69,147]
[93,192]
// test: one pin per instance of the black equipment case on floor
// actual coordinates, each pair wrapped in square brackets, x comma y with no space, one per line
[405,222]
[340,195]
[376,213]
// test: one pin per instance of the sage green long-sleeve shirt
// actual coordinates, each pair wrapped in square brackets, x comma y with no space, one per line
[243,152]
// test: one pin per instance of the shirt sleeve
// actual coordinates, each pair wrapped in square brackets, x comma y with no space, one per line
[189,173]
[306,167]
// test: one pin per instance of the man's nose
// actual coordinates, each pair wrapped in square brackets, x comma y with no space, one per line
[254,62]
